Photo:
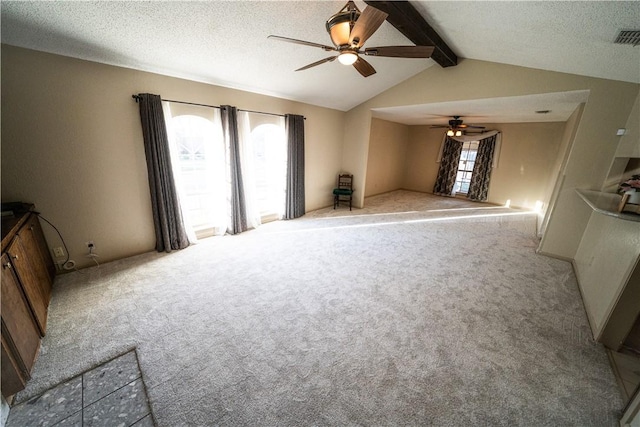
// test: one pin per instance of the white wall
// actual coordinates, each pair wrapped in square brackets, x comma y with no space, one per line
[72,144]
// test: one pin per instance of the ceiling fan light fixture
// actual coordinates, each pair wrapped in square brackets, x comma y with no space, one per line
[339,25]
[458,133]
[347,58]
[450,132]
[339,33]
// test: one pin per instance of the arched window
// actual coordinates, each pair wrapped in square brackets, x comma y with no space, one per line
[200,173]
[200,157]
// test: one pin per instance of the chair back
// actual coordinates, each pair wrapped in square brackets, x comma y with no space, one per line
[345,182]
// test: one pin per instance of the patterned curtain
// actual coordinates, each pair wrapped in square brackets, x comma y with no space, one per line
[167,215]
[294,204]
[448,167]
[479,186]
[229,117]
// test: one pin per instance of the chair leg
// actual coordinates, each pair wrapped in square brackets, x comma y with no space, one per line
[335,201]
[350,199]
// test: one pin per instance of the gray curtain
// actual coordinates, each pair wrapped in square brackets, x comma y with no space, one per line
[167,217]
[479,185]
[448,167]
[294,127]
[238,222]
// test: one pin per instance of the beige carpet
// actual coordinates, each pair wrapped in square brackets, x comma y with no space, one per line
[397,314]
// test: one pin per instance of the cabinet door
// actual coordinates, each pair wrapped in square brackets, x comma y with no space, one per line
[13,377]
[34,227]
[22,334]
[33,241]
[31,285]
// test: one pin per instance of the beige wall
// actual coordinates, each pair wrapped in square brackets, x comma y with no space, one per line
[629,145]
[387,157]
[526,157]
[422,154]
[72,144]
[625,162]
[604,262]
[593,148]
[556,178]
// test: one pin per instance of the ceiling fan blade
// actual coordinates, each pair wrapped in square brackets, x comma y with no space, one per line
[302,42]
[401,51]
[474,127]
[322,61]
[364,67]
[369,21]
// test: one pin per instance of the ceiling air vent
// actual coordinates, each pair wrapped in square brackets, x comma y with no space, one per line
[628,37]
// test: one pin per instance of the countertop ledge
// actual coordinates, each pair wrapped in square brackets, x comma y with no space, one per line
[606,204]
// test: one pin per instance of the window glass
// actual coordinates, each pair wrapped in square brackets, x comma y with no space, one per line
[465,167]
[202,172]
[270,162]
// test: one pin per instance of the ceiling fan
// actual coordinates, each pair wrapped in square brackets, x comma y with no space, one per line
[456,127]
[349,29]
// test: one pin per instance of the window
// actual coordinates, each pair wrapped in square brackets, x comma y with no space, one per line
[465,167]
[201,171]
[270,163]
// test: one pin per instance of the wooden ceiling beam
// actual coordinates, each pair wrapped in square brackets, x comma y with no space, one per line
[409,22]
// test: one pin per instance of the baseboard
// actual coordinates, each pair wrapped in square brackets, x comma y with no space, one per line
[550,255]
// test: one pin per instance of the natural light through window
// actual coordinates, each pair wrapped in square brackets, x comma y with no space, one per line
[201,172]
[465,167]
[270,162]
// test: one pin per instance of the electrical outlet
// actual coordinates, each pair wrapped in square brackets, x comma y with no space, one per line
[58,252]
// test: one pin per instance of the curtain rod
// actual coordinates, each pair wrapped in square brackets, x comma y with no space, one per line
[137,98]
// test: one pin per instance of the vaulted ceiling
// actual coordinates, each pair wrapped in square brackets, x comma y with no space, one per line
[225,43]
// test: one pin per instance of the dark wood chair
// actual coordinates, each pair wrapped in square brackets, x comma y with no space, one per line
[344,191]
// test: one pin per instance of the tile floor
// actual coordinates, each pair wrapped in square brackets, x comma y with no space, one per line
[110,395]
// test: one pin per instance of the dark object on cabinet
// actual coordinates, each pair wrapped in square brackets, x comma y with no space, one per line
[27,278]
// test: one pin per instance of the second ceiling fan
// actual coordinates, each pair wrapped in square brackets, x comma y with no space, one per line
[349,29]
[457,127]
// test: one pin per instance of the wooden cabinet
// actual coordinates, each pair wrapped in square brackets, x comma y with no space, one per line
[27,278]
[23,256]
[20,333]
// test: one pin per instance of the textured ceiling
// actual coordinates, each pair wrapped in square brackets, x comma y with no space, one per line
[568,36]
[225,43]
